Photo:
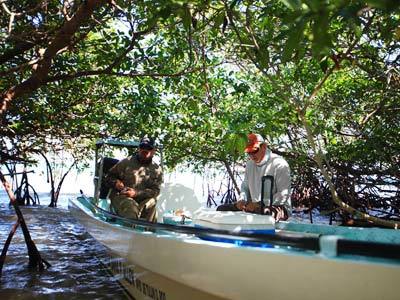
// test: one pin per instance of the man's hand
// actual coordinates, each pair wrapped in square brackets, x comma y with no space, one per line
[278,212]
[240,205]
[119,185]
[129,192]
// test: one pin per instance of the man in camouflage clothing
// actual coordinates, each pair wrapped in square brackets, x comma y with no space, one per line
[135,183]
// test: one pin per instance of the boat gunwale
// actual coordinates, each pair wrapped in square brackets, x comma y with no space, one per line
[344,246]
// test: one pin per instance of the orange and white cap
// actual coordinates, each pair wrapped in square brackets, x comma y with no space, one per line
[254,141]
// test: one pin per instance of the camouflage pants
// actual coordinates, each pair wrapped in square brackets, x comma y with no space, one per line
[129,208]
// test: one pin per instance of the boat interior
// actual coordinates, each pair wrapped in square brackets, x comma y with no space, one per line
[179,209]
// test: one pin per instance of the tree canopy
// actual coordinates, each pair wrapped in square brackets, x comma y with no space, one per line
[319,79]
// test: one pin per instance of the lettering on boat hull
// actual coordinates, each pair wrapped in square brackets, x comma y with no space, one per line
[141,283]
[132,276]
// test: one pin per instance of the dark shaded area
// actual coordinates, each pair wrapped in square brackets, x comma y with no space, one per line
[369,190]
[108,163]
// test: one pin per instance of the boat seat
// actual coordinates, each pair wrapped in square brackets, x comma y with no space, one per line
[108,163]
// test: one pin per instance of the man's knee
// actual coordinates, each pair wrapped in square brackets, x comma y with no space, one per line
[147,210]
[126,207]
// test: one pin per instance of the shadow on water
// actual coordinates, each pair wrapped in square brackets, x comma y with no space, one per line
[76,271]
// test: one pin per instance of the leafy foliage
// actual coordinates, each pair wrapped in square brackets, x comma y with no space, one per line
[200,75]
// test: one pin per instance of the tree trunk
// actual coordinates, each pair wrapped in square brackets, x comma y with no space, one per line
[7,244]
[232,176]
[336,199]
[35,259]
[57,194]
[51,178]
[61,40]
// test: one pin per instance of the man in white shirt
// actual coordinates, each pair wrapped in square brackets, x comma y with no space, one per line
[263,162]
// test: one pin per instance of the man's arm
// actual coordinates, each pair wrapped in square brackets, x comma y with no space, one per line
[282,180]
[114,177]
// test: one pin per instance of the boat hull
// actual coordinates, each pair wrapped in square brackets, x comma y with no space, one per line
[181,266]
[138,282]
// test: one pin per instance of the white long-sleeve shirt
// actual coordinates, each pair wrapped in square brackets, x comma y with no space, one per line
[274,165]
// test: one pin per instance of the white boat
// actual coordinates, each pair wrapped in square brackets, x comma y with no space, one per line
[217,261]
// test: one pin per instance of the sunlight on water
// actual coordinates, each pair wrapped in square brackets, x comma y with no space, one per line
[76,271]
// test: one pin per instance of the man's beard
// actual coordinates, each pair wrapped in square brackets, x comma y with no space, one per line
[144,160]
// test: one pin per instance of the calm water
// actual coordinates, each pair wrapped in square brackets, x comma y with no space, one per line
[76,271]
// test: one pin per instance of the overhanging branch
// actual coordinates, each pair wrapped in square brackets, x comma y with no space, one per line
[119,74]
[61,40]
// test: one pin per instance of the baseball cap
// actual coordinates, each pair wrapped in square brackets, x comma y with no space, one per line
[147,143]
[254,142]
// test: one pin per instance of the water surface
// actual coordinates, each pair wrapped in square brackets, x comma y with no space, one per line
[76,271]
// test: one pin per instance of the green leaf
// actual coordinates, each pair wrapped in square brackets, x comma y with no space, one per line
[293,41]
[219,19]
[324,64]
[384,4]
[292,4]
[397,34]
[235,143]
[314,5]
[262,57]
[165,12]
[234,3]
[150,23]
[187,17]
[322,39]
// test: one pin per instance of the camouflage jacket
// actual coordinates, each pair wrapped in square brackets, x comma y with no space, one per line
[146,179]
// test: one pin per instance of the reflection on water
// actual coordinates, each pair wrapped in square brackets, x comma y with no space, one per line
[76,271]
